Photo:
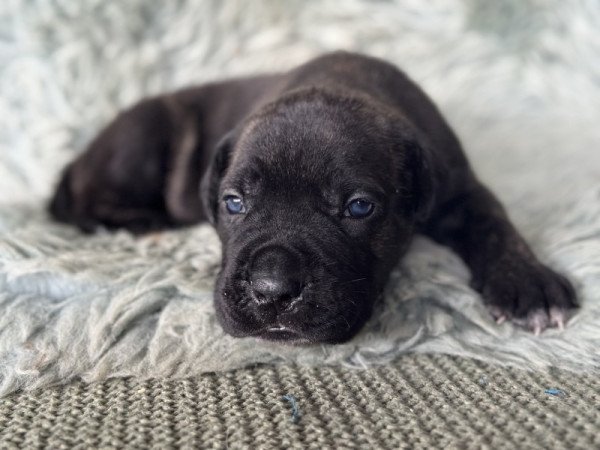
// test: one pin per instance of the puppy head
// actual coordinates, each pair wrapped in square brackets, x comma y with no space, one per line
[314,199]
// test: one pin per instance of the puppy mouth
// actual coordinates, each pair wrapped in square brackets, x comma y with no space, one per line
[278,328]
[282,333]
[314,316]
[289,329]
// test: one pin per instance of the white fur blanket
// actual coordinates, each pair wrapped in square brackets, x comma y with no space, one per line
[517,79]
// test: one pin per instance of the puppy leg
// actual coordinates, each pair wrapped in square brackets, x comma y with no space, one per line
[514,284]
[120,180]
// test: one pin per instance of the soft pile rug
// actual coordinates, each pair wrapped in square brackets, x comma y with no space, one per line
[517,79]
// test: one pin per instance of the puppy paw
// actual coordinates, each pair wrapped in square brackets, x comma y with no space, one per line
[527,293]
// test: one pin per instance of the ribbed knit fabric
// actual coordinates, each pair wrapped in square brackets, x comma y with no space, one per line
[421,402]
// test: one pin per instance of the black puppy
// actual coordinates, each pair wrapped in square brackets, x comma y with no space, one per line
[316,180]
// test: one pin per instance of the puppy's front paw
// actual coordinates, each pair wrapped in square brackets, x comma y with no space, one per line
[527,293]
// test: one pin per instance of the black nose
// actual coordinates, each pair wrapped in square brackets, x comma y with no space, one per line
[275,275]
[275,288]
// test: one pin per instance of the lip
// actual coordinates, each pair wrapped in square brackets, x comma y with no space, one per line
[278,328]
[282,333]
[279,333]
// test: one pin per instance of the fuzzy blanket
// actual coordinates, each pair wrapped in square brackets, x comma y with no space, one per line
[517,79]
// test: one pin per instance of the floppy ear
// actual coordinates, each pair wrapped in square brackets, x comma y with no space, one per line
[419,172]
[211,180]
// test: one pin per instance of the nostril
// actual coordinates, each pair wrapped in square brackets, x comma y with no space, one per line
[260,298]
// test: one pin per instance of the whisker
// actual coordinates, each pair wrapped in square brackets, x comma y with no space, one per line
[353,281]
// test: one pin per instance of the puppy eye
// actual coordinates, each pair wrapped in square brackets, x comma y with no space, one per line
[234,205]
[360,208]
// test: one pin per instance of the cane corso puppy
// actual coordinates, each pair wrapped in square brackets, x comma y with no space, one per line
[316,181]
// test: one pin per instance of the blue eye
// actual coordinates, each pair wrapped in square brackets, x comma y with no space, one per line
[234,205]
[360,208]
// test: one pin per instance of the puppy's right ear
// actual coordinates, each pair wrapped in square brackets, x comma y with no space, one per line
[211,180]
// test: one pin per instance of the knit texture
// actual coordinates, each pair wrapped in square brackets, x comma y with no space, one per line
[517,79]
[421,402]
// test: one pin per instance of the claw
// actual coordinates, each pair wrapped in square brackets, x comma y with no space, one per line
[537,321]
[500,320]
[557,318]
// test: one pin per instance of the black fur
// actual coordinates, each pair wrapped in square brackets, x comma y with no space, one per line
[297,147]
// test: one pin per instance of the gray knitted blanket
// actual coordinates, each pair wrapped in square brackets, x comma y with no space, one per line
[518,80]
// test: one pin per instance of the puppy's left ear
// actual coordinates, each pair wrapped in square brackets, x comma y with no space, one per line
[211,180]
[418,178]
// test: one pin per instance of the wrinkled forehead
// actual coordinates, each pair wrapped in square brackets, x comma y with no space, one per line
[311,154]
